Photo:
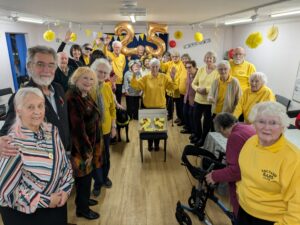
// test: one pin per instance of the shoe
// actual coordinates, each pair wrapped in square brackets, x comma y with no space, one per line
[180,124]
[107,184]
[92,202]
[199,143]
[96,192]
[194,140]
[156,148]
[90,215]
[177,120]
[184,131]
[150,148]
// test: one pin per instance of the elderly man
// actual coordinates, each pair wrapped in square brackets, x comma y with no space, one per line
[63,71]
[118,61]
[240,68]
[41,66]
[257,92]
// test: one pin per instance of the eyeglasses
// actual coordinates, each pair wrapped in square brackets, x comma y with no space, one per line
[271,123]
[188,67]
[42,65]
[88,49]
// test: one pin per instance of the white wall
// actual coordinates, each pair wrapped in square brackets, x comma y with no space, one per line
[279,60]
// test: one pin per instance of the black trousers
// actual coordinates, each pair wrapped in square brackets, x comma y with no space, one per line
[119,92]
[133,105]
[205,111]
[44,216]
[170,107]
[83,192]
[244,218]
[188,116]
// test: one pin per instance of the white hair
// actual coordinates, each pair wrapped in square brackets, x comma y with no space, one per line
[225,63]
[269,108]
[117,43]
[23,92]
[103,62]
[154,62]
[260,76]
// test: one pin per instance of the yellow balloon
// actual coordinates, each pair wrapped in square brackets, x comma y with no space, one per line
[153,38]
[254,40]
[178,34]
[88,32]
[73,37]
[49,35]
[127,28]
[273,33]
[198,37]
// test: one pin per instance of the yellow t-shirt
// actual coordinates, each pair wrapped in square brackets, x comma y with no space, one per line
[204,80]
[221,94]
[154,89]
[270,181]
[249,99]
[242,72]
[118,64]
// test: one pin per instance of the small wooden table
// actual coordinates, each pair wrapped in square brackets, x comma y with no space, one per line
[155,134]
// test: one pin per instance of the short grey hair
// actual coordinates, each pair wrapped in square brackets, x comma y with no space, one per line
[259,75]
[116,43]
[224,120]
[31,52]
[211,54]
[103,62]
[225,63]
[23,92]
[269,108]
[154,62]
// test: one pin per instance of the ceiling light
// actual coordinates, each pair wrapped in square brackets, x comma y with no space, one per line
[285,13]
[30,20]
[238,21]
[132,18]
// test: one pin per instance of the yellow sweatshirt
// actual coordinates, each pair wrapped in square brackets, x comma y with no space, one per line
[180,77]
[270,181]
[118,64]
[204,80]
[242,72]
[249,99]
[109,106]
[154,89]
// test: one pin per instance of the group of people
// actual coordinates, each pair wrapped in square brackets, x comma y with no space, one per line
[78,97]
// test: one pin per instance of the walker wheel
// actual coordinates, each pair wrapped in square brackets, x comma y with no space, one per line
[183,218]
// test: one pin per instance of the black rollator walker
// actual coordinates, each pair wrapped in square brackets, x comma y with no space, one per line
[200,194]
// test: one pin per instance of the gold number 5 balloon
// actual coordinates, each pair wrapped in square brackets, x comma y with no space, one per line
[128,29]
[153,38]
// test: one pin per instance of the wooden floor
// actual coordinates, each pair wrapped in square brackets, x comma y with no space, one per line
[145,193]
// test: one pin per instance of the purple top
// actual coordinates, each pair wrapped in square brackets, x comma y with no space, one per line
[190,92]
[231,173]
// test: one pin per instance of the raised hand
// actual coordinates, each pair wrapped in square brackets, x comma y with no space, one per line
[68,35]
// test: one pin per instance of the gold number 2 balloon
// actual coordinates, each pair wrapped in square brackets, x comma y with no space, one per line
[153,38]
[128,29]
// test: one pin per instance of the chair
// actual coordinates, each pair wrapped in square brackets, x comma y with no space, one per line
[3,92]
[284,101]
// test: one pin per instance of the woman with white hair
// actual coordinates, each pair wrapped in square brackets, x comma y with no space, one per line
[225,91]
[154,87]
[104,98]
[118,61]
[35,183]
[268,192]
[257,92]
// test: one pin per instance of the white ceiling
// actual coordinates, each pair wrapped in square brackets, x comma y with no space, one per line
[170,12]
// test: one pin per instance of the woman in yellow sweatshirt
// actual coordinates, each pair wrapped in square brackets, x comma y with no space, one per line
[269,192]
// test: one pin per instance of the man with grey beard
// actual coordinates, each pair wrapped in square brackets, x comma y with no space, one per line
[41,66]
[240,68]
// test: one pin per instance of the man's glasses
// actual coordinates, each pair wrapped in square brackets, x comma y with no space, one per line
[88,49]
[42,65]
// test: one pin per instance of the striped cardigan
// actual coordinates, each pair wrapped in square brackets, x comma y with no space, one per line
[40,169]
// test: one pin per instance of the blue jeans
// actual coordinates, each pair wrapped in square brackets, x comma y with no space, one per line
[100,174]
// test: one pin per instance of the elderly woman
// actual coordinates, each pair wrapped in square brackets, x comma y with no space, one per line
[84,125]
[118,61]
[132,95]
[104,99]
[86,54]
[202,107]
[154,87]
[237,134]
[258,92]
[36,183]
[268,192]
[225,91]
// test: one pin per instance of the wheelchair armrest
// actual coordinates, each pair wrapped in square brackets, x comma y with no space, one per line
[221,155]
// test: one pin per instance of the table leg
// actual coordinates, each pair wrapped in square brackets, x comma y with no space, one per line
[141,149]
[165,149]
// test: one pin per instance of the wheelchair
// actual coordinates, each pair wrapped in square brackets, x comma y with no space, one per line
[203,191]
